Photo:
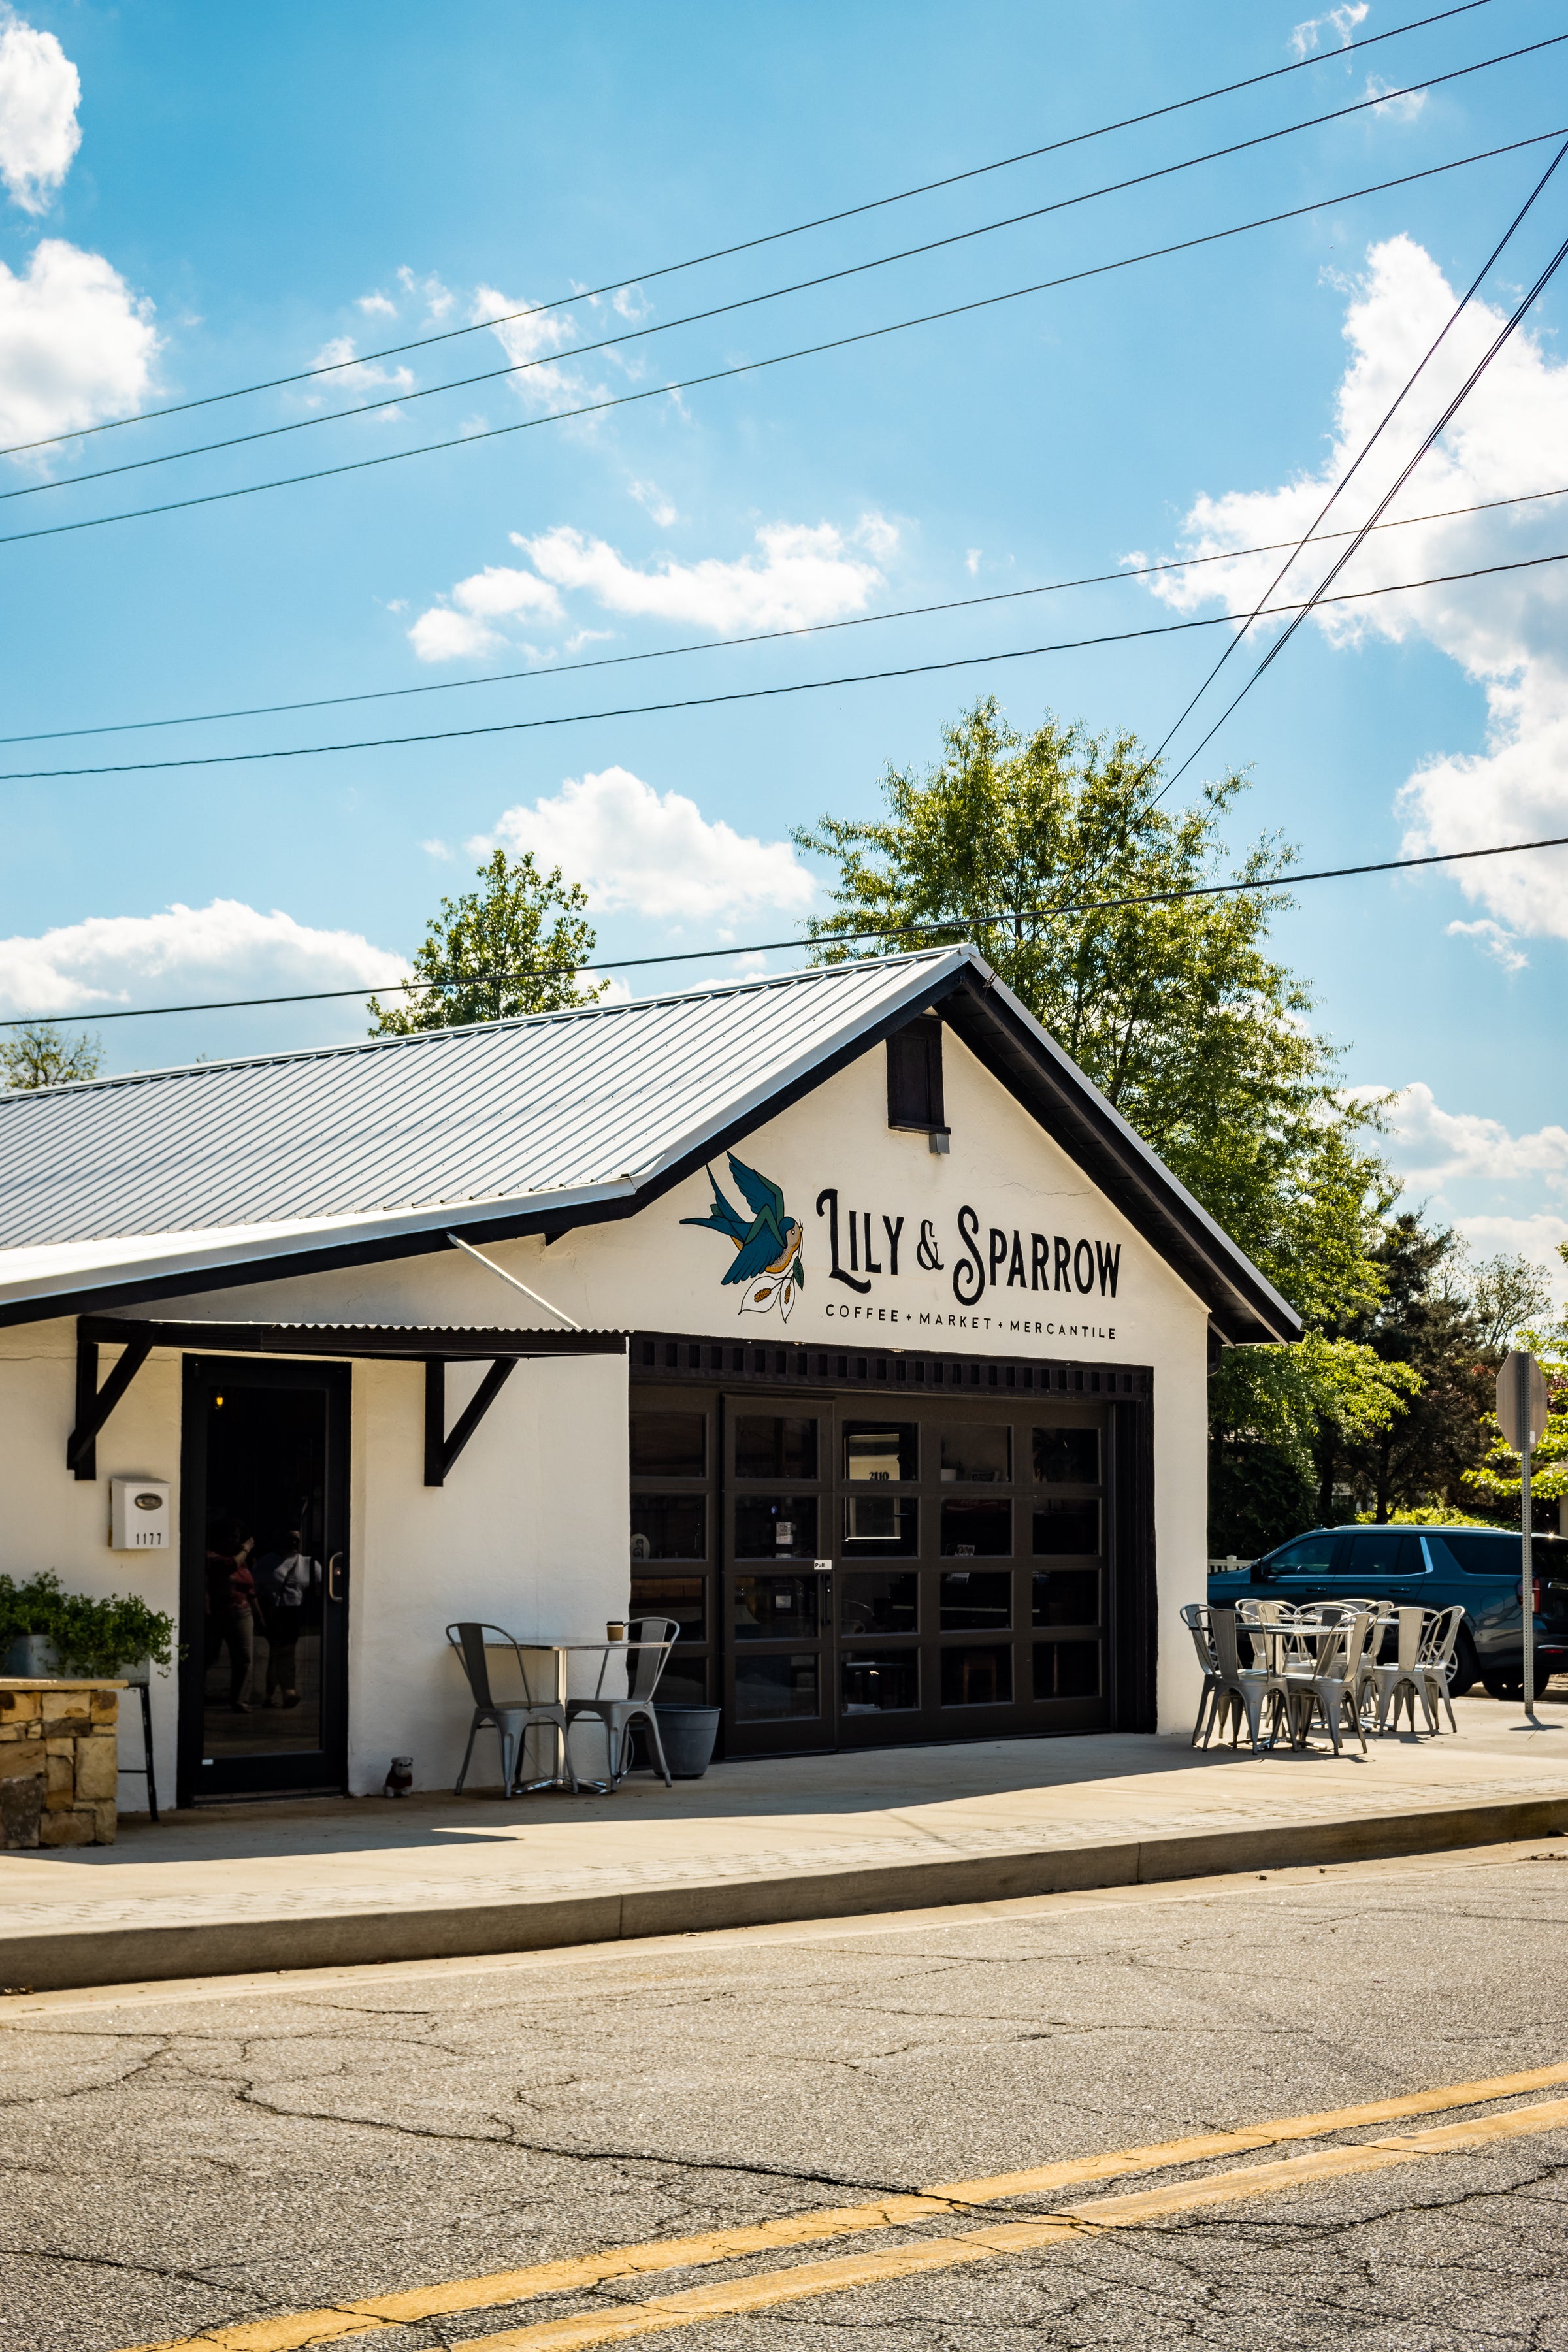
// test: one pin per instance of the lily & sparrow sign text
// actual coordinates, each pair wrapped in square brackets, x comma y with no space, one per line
[865,1245]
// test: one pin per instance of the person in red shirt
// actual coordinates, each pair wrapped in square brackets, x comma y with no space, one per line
[232,1607]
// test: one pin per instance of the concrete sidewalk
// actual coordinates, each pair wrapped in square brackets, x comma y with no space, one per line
[334,1881]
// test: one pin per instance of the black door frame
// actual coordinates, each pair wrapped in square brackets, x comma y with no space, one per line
[316,1770]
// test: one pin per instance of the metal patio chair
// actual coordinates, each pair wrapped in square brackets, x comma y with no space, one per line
[656,1636]
[1398,1684]
[1438,1642]
[1330,1685]
[1244,1691]
[510,1719]
[1195,1617]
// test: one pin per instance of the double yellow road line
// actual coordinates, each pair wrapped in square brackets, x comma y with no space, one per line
[796,2283]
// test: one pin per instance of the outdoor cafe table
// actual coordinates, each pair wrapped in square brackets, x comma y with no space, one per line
[553,1689]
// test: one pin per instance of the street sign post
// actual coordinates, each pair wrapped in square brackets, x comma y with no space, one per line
[1522,1409]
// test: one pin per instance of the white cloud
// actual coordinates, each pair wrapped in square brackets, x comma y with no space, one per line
[1404,107]
[1535,1237]
[650,495]
[75,345]
[971,561]
[1434,1146]
[1343,20]
[454,631]
[437,298]
[806,573]
[376,306]
[224,949]
[40,92]
[1506,633]
[351,374]
[634,850]
[1499,944]
[530,339]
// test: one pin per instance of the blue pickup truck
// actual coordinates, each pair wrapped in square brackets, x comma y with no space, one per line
[1433,1567]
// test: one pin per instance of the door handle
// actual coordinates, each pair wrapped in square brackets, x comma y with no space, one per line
[337,1577]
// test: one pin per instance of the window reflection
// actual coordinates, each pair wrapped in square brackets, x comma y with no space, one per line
[976,1677]
[879,1604]
[1066,1457]
[977,1599]
[775,1445]
[1067,1669]
[781,1527]
[881,1451]
[976,1530]
[771,1690]
[882,1683]
[1062,1528]
[775,1608]
[1065,1596]
[976,1453]
[885,1526]
[683,1599]
[669,1526]
[668,1445]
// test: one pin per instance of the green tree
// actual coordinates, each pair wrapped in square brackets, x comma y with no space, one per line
[1506,1294]
[1497,1478]
[1424,1321]
[513,946]
[41,1055]
[1055,853]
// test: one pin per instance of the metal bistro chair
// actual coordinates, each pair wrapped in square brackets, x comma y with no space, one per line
[1195,1617]
[1435,1663]
[1244,1691]
[1329,1684]
[1399,1684]
[656,1636]
[509,1718]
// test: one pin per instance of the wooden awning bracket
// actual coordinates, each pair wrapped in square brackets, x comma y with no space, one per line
[442,1447]
[94,1404]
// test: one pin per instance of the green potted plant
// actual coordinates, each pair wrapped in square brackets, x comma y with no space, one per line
[45,1630]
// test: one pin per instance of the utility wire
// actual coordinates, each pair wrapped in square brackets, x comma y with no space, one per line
[1261,885]
[748,245]
[404,399]
[760,636]
[1363,454]
[779,359]
[1521,311]
[763,693]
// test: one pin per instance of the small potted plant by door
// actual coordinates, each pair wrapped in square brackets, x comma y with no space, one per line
[45,1632]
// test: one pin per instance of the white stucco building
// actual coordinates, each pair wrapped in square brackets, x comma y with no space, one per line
[859,1335]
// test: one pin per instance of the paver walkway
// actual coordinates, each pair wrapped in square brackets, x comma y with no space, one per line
[779,1820]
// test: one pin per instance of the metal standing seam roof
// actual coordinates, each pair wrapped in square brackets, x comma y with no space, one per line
[122,1189]
[555,1103]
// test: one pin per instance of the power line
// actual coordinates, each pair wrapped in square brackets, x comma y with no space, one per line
[1532,296]
[763,693]
[404,399]
[1360,457]
[764,636]
[748,245]
[778,359]
[1260,885]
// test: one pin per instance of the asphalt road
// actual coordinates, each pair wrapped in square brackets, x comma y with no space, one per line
[182,2161]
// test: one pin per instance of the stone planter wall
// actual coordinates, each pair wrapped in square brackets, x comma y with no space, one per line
[58,1762]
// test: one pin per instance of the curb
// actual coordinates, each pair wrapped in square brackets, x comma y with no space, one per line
[70,1961]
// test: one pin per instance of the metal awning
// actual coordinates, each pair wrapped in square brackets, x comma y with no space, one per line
[433,1344]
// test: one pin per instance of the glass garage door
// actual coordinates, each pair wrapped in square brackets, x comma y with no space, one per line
[846,1576]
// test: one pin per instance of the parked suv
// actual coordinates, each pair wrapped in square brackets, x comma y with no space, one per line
[1477,1567]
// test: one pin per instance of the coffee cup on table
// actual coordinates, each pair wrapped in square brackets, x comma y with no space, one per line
[615,1629]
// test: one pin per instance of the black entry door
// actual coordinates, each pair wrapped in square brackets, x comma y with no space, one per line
[264,1576]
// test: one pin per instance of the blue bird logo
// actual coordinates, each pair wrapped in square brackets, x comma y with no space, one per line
[767,1244]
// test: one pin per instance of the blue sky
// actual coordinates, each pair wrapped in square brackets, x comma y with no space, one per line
[256,190]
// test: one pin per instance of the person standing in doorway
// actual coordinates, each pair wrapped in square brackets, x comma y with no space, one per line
[232,1607]
[291,1584]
